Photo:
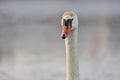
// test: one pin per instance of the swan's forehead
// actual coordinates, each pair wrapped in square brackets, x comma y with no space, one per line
[68,15]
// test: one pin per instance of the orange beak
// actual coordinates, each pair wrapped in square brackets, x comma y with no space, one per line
[65,31]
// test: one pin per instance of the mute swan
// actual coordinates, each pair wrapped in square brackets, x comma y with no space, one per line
[69,25]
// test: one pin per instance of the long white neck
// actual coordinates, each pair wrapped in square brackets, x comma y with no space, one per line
[72,61]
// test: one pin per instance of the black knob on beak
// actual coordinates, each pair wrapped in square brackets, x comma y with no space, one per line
[68,21]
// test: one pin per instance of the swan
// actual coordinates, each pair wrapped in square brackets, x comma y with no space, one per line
[69,25]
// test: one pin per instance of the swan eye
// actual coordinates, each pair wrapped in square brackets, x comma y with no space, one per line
[72,19]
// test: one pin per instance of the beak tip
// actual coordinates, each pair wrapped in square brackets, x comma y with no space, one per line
[63,36]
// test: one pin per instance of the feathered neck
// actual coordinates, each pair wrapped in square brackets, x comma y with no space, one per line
[72,64]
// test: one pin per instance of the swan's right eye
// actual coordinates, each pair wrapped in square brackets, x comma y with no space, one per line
[64,21]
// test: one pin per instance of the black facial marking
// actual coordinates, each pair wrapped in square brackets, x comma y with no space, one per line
[66,22]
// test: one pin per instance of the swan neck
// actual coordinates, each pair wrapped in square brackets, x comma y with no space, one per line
[72,64]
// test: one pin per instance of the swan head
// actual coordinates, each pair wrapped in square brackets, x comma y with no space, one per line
[69,22]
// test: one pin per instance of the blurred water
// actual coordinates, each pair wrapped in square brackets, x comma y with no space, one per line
[31,47]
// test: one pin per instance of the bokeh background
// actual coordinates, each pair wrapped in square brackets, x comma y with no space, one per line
[31,47]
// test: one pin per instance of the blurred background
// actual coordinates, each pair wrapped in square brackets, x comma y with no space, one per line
[31,47]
